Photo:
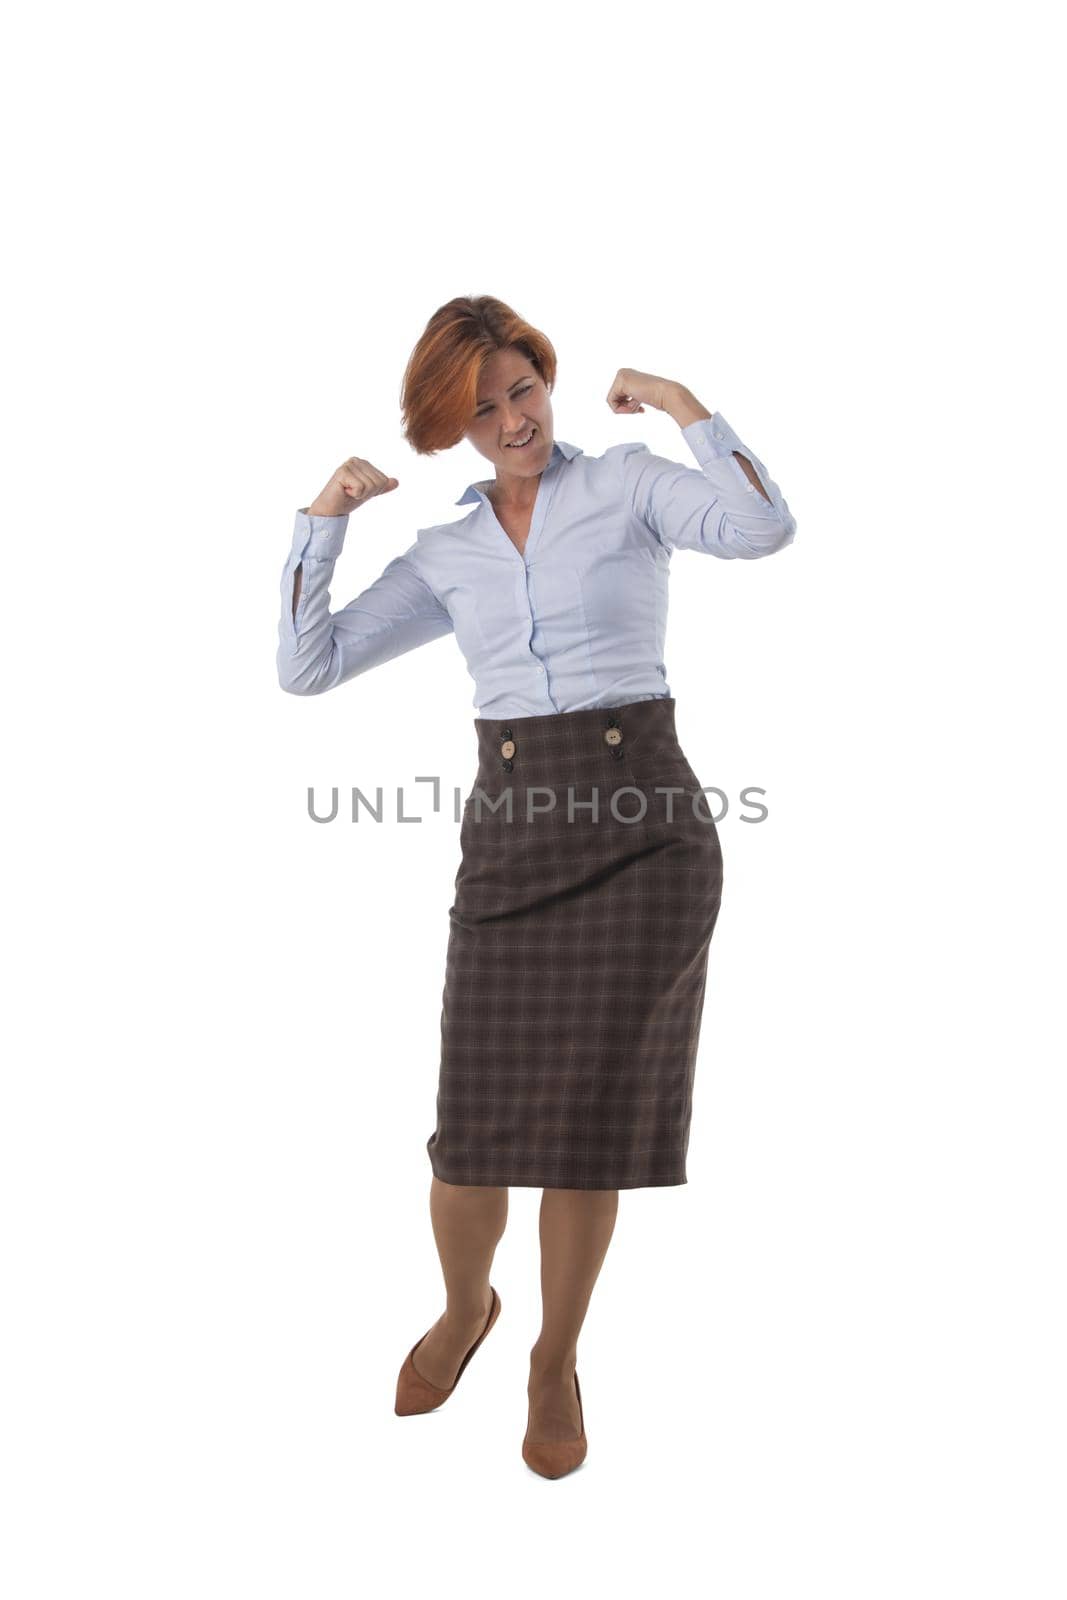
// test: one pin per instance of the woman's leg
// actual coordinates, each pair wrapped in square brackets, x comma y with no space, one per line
[576,1228]
[468,1222]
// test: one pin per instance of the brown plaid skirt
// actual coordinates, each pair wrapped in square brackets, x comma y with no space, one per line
[577,954]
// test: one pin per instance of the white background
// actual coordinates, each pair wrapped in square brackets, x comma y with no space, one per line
[830,1365]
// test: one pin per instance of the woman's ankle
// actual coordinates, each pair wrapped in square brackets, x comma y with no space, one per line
[552,1366]
[465,1313]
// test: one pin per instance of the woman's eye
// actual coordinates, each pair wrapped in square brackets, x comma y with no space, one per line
[517,396]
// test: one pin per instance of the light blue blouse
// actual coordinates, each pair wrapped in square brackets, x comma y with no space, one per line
[579,619]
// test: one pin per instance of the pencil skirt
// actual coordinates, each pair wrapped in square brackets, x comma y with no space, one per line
[587,893]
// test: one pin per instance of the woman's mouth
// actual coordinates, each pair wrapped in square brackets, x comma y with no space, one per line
[520,444]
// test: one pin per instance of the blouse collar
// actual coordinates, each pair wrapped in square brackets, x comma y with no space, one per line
[560,451]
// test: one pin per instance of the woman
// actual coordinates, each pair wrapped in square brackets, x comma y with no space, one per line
[591,871]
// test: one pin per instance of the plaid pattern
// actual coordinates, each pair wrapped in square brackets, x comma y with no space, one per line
[577,956]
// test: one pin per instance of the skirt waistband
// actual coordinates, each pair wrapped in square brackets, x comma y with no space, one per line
[603,740]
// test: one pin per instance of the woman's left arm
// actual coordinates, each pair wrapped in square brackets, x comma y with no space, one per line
[731,507]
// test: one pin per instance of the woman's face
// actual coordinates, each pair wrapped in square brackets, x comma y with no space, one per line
[512,399]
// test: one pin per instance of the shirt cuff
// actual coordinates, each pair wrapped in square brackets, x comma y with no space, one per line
[319,538]
[711,437]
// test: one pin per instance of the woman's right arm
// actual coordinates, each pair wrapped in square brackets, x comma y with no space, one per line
[319,649]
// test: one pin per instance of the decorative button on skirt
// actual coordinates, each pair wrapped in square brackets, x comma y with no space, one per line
[586,897]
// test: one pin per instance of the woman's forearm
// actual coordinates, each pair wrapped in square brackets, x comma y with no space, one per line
[314,510]
[681,404]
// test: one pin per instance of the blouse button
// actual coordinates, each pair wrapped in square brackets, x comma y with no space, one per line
[507,749]
[613,736]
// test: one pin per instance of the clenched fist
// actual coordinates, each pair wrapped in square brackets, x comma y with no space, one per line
[354,482]
[631,391]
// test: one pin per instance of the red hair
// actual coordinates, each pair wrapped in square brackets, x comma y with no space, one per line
[438,397]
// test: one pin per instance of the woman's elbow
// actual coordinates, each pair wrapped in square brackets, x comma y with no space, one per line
[303,677]
[768,542]
[296,686]
[786,534]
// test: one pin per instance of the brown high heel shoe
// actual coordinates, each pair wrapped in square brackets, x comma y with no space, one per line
[416,1394]
[556,1457]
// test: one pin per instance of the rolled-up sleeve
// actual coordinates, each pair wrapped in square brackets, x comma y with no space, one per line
[319,648]
[713,508]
